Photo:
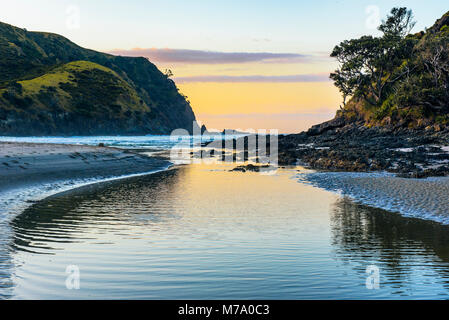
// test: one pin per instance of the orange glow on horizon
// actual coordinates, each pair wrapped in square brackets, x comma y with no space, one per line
[294,106]
[286,106]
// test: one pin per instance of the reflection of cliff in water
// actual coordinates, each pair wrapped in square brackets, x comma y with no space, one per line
[398,245]
[66,216]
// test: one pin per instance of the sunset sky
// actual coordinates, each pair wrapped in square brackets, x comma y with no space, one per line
[243,64]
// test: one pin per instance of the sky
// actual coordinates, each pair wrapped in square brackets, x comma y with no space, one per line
[242,64]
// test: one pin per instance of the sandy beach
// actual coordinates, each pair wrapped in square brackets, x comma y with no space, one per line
[418,198]
[26,164]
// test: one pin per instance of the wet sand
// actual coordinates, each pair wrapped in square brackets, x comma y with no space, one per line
[32,171]
[419,198]
[28,164]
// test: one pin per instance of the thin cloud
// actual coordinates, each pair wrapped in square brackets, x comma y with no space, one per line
[320,113]
[320,77]
[211,57]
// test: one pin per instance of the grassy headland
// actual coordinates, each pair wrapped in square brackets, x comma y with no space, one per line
[51,86]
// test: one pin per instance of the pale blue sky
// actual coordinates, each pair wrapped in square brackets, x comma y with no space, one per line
[231,25]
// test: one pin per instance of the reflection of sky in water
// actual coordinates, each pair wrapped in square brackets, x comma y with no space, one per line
[204,232]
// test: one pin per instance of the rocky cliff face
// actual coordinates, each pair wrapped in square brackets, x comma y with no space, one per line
[51,86]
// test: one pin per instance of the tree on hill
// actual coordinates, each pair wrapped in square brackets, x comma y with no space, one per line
[370,66]
[400,77]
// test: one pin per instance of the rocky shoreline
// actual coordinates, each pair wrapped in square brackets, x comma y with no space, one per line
[337,145]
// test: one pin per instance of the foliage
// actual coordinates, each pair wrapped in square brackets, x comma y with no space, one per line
[40,62]
[397,71]
[76,83]
[370,65]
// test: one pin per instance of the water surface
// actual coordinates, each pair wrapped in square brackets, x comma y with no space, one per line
[202,232]
[155,142]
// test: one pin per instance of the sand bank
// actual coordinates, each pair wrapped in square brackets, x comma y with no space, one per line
[43,167]
[418,198]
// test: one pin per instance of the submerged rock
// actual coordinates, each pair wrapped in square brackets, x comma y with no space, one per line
[251,168]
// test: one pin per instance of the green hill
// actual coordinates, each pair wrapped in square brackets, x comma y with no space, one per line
[398,79]
[51,86]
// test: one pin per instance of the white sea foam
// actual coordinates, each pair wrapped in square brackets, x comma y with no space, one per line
[419,198]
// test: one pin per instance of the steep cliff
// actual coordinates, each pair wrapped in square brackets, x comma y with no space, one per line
[51,86]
